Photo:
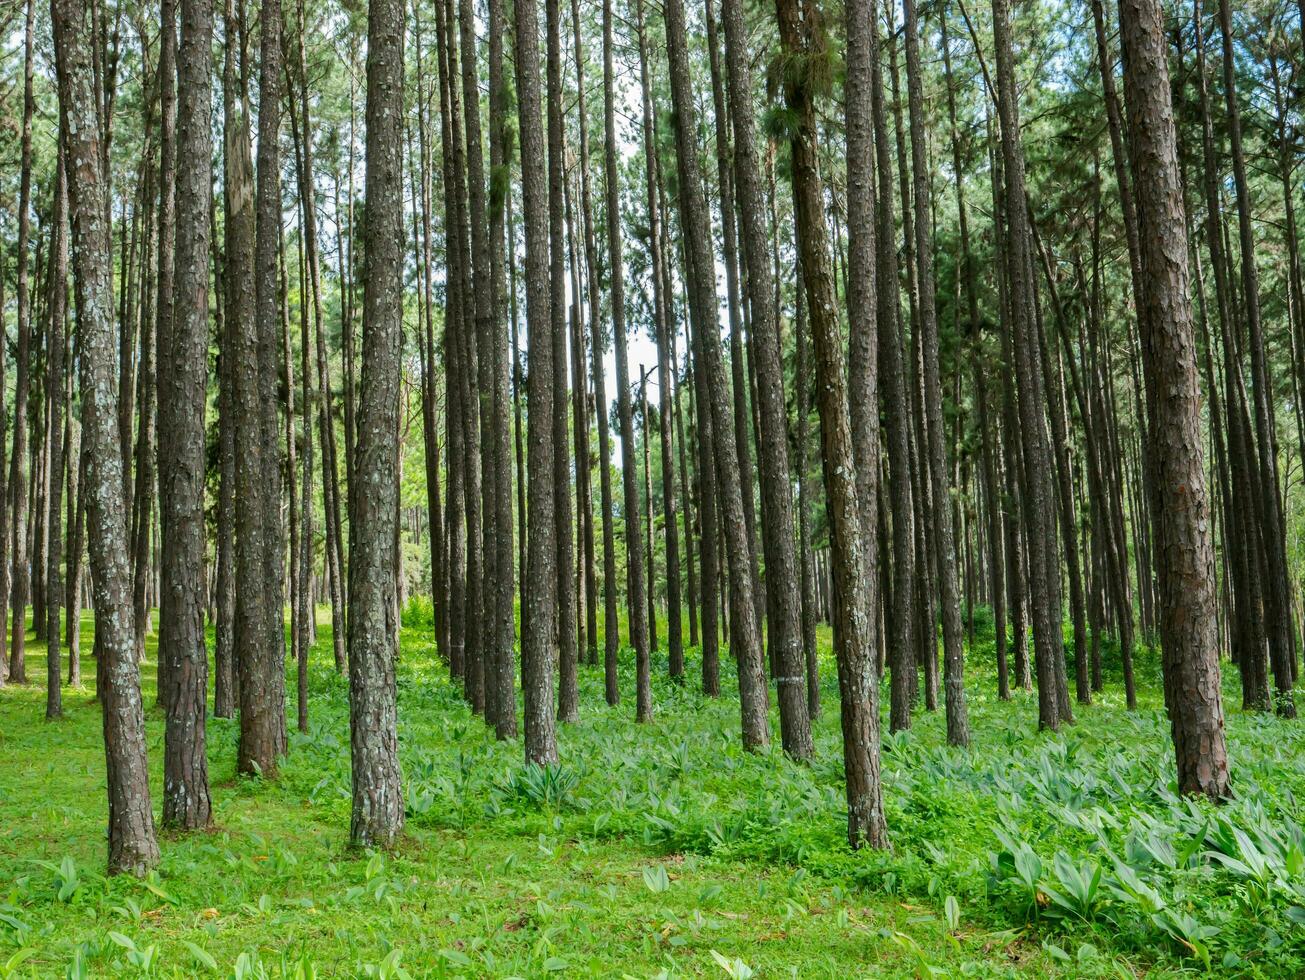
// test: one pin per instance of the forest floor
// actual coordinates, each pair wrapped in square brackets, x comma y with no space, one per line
[663,850]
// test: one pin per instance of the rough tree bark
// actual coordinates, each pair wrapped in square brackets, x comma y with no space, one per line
[260,590]
[182,394]
[539,611]
[568,649]
[853,579]
[132,844]
[19,577]
[958,724]
[1037,486]
[884,354]
[373,493]
[500,156]
[778,533]
[56,367]
[635,601]
[714,385]
[237,310]
[1188,631]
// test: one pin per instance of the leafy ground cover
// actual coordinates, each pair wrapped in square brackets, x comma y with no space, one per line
[664,849]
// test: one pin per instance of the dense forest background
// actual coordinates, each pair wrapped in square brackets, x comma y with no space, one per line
[870,379]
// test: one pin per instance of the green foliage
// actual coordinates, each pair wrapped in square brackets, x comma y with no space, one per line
[543,787]
[651,846]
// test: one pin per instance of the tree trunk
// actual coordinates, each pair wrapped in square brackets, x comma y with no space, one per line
[482,403]
[19,576]
[500,155]
[853,632]
[778,532]
[260,624]
[540,610]
[373,500]
[236,432]
[455,317]
[1051,370]
[806,551]
[735,305]
[665,368]
[73,562]
[651,555]
[57,359]
[183,368]
[979,374]
[140,504]
[132,845]
[713,384]
[586,581]
[887,360]
[334,558]
[1187,597]
[298,446]
[568,650]
[1036,487]
[1277,587]
[636,602]
[958,725]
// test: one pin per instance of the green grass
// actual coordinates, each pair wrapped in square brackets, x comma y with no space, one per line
[662,849]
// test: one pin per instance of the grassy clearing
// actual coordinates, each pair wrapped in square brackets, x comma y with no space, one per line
[663,849]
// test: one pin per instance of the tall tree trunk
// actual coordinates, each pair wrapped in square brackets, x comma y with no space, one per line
[142,502]
[690,581]
[347,287]
[778,537]
[1051,371]
[734,303]
[238,239]
[636,599]
[806,551]
[925,636]
[854,579]
[1187,597]
[297,446]
[568,651]
[301,561]
[56,368]
[19,575]
[611,624]
[714,386]
[132,844]
[464,341]
[334,557]
[500,156]
[887,360]
[373,499]
[260,624]
[958,724]
[1277,591]
[974,326]
[1247,548]
[518,385]
[540,611]
[455,323]
[426,346]
[73,562]
[479,341]
[40,494]
[651,556]
[662,318]
[586,581]
[1036,488]
[183,364]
